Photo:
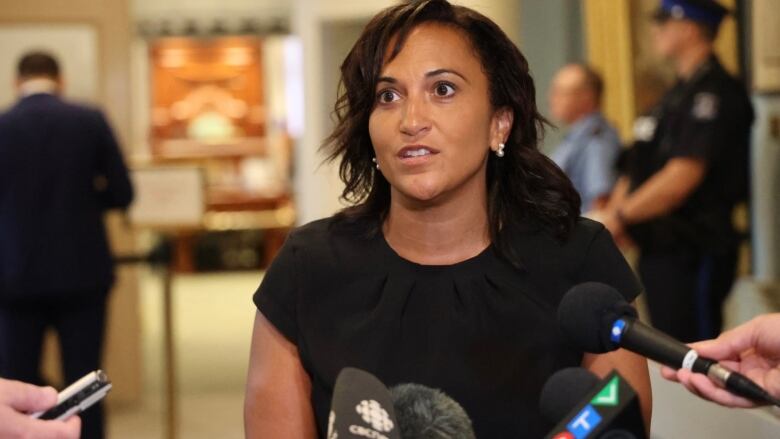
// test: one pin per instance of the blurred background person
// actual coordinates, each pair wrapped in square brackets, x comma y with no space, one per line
[686,172]
[60,170]
[589,152]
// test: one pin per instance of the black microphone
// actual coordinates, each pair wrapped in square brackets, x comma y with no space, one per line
[361,408]
[582,406]
[564,390]
[425,413]
[597,319]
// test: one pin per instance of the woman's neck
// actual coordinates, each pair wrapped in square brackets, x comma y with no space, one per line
[442,233]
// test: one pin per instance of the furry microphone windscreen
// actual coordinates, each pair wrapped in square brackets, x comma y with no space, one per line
[425,413]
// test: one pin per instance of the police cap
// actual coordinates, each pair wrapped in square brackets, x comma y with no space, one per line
[708,12]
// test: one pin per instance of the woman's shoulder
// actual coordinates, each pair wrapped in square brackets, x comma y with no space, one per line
[587,254]
[330,237]
[337,226]
[574,244]
[544,254]
[584,232]
[311,232]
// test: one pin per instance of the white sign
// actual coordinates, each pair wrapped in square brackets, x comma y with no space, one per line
[168,197]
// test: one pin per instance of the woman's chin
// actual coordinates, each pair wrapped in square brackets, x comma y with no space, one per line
[421,192]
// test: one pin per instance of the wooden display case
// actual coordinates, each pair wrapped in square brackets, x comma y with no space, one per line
[208,109]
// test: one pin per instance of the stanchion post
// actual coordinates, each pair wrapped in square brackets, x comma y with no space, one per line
[171,391]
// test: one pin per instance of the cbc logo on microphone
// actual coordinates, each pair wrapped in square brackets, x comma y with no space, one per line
[373,413]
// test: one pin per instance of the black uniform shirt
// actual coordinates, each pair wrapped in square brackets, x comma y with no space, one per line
[707,117]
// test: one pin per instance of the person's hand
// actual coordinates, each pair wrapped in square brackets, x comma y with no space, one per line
[752,349]
[17,399]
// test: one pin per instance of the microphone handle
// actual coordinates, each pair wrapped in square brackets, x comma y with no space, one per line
[658,346]
[740,385]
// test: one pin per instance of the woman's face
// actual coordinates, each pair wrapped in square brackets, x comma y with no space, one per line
[432,125]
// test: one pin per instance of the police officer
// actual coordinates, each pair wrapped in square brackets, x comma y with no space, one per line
[685,173]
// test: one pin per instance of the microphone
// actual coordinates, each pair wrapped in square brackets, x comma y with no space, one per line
[361,408]
[425,413]
[597,319]
[585,407]
[564,390]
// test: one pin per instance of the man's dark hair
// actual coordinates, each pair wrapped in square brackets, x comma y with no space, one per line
[524,187]
[36,64]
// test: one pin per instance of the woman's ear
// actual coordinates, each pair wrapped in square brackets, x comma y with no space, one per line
[501,126]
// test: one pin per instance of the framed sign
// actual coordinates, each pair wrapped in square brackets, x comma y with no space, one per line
[168,197]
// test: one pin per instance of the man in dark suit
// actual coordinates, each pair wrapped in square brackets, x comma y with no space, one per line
[60,170]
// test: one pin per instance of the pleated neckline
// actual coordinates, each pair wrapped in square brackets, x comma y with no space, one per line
[466,265]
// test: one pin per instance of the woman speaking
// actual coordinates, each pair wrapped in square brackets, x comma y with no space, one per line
[461,240]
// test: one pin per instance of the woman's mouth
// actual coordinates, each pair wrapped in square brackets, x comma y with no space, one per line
[416,151]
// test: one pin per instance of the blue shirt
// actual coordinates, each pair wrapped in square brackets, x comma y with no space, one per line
[588,155]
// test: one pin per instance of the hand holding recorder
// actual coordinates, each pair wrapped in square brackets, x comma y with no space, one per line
[17,399]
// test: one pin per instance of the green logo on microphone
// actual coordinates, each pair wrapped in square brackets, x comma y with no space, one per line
[608,396]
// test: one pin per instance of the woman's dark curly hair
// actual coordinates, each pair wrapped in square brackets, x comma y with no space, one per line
[523,187]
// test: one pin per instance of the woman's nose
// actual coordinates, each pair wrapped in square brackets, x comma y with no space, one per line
[415,118]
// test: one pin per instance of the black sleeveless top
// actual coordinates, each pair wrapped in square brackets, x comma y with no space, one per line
[481,330]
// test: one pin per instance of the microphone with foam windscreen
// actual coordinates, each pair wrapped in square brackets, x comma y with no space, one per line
[425,413]
[582,406]
[564,390]
[361,408]
[597,319]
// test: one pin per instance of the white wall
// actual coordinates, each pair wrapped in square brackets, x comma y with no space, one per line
[178,9]
[79,69]
[317,185]
[506,13]
[766,189]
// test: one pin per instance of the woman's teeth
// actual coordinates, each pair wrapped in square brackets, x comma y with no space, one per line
[416,152]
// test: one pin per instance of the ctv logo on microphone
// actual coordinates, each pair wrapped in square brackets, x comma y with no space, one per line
[585,421]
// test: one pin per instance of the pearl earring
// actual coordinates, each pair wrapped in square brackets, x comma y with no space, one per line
[500,151]
[375,162]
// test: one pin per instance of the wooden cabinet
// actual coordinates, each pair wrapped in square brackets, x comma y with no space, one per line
[208,108]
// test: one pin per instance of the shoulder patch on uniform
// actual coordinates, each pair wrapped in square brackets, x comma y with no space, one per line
[644,128]
[705,106]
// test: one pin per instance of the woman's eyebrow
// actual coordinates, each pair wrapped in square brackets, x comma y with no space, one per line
[438,72]
[432,73]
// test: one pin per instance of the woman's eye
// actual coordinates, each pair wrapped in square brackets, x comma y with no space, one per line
[443,89]
[387,96]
